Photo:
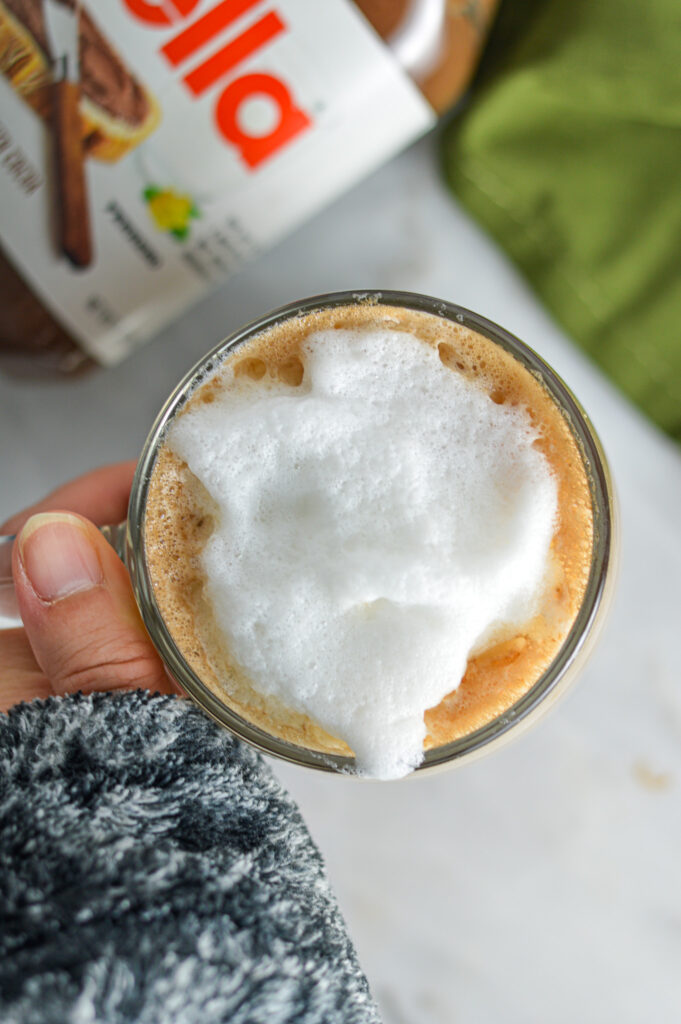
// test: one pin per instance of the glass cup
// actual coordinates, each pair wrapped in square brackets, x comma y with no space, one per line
[129,541]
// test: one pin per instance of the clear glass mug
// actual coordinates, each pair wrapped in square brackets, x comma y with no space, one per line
[129,541]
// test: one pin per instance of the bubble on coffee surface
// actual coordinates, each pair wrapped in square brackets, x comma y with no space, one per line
[379,518]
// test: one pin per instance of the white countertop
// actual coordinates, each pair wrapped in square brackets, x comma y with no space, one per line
[542,883]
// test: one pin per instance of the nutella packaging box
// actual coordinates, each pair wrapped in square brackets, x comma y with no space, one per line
[149,147]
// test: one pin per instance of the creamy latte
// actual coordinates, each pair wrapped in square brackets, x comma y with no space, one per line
[369,530]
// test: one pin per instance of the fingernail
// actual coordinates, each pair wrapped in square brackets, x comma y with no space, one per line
[58,556]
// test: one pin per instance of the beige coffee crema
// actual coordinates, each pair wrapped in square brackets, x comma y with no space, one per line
[369,530]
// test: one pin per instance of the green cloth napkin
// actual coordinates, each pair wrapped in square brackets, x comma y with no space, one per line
[570,155]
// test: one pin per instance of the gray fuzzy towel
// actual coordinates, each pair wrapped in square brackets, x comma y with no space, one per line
[153,871]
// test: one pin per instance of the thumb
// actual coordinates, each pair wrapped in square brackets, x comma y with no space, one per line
[78,609]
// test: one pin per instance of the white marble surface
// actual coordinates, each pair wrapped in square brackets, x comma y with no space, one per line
[544,882]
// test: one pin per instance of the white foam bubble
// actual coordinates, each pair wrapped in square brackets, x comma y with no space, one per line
[375,524]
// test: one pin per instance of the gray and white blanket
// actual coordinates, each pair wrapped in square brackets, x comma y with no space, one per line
[153,870]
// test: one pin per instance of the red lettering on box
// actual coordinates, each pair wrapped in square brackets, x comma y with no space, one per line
[204,29]
[254,149]
[158,13]
[226,59]
[292,120]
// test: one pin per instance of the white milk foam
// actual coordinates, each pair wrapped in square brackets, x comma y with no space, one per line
[376,524]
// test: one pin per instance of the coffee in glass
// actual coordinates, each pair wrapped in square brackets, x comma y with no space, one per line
[371,533]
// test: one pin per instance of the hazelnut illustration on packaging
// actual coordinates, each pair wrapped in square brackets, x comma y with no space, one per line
[148,148]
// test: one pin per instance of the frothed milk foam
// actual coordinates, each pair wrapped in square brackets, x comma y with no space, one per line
[370,529]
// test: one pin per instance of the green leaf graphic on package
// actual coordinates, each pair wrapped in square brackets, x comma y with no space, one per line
[171,211]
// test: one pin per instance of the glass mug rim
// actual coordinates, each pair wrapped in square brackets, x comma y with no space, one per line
[575,643]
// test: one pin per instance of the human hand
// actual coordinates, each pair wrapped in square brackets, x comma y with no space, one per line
[82,630]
